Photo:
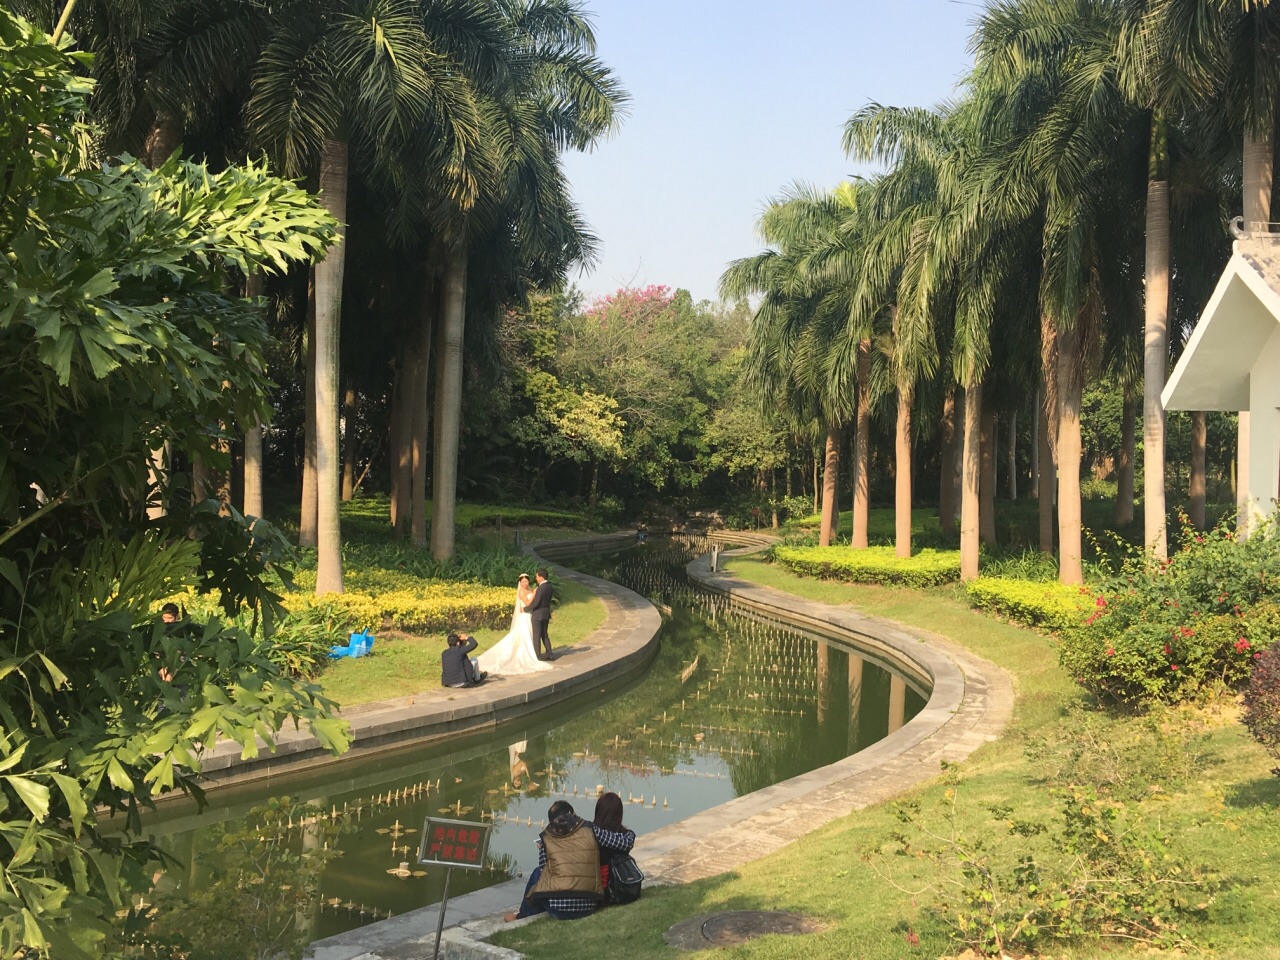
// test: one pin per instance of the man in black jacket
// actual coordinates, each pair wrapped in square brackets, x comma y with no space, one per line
[457,669]
[539,610]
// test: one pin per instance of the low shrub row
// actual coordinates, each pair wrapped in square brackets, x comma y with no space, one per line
[426,608]
[1046,604]
[928,568]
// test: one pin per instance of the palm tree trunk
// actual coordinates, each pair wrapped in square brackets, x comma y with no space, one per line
[862,448]
[307,535]
[1259,167]
[201,480]
[157,482]
[902,473]
[222,477]
[1049,460]
[1199,436]
[251,504]
[817,503]
[1155,355]
[987,482]
[1012,455]
[448,412]
[1036,406]
[1070,390]
[947,454]
[970,471]
[1124,459]
[329,275]
[420,402]
[830,487]
[349,442]
[162,140]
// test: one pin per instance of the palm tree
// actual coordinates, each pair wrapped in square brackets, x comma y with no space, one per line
[796,354]
[366,76]
[557,95]
[1062,140]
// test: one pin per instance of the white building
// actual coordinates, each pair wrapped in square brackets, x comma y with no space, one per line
[1232,361]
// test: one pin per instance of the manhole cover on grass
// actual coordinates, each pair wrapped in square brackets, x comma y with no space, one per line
[733,927]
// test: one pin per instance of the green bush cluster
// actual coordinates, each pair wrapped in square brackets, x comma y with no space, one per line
[368,519]
[1164,631]
[928,568]
[1051,605]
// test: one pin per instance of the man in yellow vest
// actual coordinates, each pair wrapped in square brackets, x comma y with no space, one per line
[567,883]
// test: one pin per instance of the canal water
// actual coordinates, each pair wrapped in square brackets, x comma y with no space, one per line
[731,703]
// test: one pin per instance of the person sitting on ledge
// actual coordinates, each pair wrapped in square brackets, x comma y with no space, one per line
[457,669]
[567,882]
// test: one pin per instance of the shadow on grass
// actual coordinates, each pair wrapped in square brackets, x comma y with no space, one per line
[1260,792]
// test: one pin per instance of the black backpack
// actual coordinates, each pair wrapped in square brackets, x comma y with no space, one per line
[625,879]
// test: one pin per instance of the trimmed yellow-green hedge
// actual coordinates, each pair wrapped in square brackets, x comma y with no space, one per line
[424,608]
[928,568]
[1047,604]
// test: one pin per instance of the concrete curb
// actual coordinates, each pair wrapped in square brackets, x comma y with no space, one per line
[971,703]
[623,644]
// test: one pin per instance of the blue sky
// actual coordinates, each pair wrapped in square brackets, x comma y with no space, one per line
[732,101]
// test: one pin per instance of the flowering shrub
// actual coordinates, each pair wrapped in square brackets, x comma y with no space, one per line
[1262,700]
[1052,605]
[927,568]
[1162,631]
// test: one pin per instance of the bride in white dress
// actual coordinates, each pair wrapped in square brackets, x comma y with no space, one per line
[514,653]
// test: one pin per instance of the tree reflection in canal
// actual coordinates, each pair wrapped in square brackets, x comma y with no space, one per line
[730,704]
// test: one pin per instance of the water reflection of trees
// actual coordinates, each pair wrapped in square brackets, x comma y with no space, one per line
[770,702]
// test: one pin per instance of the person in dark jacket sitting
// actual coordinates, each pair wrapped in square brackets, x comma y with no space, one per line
[457,669]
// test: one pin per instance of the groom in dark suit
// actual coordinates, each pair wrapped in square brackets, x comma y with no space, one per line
[539,611]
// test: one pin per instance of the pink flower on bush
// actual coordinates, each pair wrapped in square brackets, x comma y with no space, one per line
[1173,666]
[1111,651]
[1167,650]
[1101,602]
[1242,645]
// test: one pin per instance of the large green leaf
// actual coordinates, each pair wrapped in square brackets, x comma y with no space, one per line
[34,795]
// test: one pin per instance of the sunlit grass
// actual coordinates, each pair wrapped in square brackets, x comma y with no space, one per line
[403,665]
[875,905]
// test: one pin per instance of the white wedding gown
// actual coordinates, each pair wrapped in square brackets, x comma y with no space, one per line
[514,653]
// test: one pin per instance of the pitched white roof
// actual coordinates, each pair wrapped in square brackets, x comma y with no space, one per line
[1243,313]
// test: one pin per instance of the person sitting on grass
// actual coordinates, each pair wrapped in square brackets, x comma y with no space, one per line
[457,669]
[567,882]
[609,817]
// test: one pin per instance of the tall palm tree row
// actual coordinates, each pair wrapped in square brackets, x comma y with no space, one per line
[448,116]
[1066,211]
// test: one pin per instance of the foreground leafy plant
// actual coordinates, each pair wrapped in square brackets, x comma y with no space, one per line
[117,338]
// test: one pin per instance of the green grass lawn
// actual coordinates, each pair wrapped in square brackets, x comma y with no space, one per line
[1210,793]
[402,665]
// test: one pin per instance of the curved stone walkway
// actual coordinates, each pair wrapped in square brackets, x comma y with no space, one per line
[624,643]
[971,703]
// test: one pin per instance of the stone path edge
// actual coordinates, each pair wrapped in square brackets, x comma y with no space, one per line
[619,647]
[971,704]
